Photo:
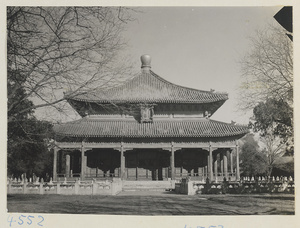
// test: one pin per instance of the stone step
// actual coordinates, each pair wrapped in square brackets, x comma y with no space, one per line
[146,185]
[138,183]
[149,185]
[144,190]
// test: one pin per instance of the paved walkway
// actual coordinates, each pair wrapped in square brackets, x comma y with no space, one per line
[154,203]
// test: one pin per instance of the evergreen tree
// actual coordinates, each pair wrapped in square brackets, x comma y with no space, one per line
[26,146]
[253,161]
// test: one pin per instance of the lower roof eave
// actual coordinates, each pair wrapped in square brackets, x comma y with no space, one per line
[120,137]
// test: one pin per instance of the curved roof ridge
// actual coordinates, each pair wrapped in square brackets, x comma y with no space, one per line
[150,87]
[183,87]
[235,124]
[71,122]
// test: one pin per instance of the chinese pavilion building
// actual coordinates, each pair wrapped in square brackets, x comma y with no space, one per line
[147,129]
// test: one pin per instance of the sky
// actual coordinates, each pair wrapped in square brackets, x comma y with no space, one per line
[198,47]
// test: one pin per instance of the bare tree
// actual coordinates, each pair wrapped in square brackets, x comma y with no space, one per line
[55,49]
[267,69]
[267,88]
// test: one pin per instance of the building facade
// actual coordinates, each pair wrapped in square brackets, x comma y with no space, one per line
[147,129]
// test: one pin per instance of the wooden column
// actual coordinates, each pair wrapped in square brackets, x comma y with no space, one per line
[216,167]
[71,164]
[172,163]
[153,174]
[225,165]
[122,163]
[210,171]
[137,166]
[159,174]
[166,173]
[83,163]
[222,164]
[55,150]
[231,162]
[68,165]
[207,166]
[196,172]
[237,163]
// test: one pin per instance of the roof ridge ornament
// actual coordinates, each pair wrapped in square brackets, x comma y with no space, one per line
[207,114]
[146,63]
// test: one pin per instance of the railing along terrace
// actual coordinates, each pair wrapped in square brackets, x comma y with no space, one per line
[246,185]
[77,187]
[202,177]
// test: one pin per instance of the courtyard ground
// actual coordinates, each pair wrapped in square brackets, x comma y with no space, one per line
[155,203]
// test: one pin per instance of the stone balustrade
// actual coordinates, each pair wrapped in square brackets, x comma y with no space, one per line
[187,186]
[247,185]
[111,187]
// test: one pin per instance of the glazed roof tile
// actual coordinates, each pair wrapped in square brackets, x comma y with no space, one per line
[90,127]
[149,87]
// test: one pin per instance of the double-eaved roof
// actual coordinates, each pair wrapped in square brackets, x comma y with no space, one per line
[149,87]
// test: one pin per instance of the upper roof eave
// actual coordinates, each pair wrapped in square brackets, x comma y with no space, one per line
[149,87]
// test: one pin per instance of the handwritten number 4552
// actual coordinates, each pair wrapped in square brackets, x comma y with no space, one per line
[25,220]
